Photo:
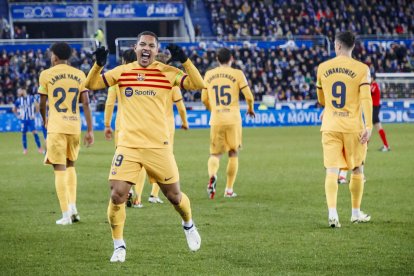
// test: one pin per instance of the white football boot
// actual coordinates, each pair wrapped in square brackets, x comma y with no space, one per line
[361,218]
[64,221]
[119,255]
[153,199]
[334,222]
[193,238]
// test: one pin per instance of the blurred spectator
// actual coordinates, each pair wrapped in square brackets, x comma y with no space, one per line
[25,67]
[4,28]
[270,18]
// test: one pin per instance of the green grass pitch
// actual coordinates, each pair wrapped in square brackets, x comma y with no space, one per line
[277,225]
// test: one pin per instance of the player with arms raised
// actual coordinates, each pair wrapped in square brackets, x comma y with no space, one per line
[144,137]
[221,97]
[343,88]
[63,85]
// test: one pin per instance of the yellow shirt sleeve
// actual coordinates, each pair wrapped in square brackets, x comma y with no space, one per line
[42,84]
[176,94]
[366,98]
[204,99]
[96,80]
[319,91]
[245,89]
[193,80]
[109,106]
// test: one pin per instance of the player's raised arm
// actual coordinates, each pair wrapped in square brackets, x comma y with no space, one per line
[319,91]
[95,80]
[194,79]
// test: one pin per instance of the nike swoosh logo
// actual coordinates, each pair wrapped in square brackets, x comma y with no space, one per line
[166,179]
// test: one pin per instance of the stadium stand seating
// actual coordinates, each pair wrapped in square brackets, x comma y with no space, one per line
[236,19]
[287,73]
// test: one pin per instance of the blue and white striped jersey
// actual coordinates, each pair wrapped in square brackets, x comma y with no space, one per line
[26,107]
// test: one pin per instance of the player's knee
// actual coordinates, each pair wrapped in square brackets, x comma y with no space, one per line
[174,197]
[357,170]
[118,197]
[233,153]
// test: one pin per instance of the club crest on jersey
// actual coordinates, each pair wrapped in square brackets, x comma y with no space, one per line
[129,92]
[140,77]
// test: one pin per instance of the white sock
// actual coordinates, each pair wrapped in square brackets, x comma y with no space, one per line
[333,213]
[67,214]
[229,191]
[343,173]
[355,212]
[188,223]
[119,243]
[72,208]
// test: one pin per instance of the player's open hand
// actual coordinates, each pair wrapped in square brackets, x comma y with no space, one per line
[88,139]
[366,134]
[108,133]
[177,53]
[251,113]
[101,55]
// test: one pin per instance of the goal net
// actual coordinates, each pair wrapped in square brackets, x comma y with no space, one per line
[396,85]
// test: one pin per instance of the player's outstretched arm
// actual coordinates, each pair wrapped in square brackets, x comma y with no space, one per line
[194,81]
[94,80]
[183,114]
[88,139]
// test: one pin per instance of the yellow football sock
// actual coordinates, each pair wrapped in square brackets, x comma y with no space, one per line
[116,218]
[232,168]
[139,186]
[62,190]
[155,190]
[184,208]
[72,184]
[331,189]
[213,165]
[356,187]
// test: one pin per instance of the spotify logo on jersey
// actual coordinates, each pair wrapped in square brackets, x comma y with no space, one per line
[128,92]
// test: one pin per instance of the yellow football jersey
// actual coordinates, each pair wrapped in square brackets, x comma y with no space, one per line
[223,85]
[341,82]
[113,95]
[144,94]
[63,85]
[175,97]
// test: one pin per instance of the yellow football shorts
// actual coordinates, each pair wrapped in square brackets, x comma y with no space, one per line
[343,150]
[61,147]
[224,138]
[159,163]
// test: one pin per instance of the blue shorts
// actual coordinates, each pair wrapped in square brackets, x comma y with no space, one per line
[28,125]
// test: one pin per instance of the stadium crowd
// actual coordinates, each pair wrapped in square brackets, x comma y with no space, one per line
[286,73]
[21,67]
[234,19]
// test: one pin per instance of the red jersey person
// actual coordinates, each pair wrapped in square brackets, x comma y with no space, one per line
[376,103]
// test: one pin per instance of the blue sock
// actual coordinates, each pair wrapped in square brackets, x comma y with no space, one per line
[24,140]
[44,132]
[37,140]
